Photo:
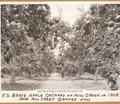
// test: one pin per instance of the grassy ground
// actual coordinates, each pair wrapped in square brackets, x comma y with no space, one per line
[22,83]
[54,82]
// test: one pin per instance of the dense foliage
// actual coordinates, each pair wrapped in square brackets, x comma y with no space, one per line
[30,38]
[96,45]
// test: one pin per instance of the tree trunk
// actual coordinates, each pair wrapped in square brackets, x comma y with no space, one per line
[12,67]
[12,81]
[80,73]
[81,70]
[96,75]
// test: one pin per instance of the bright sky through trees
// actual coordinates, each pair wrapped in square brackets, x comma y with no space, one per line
[69,11]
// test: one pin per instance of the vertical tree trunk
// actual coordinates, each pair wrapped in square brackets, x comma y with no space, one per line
[96,75]
[12,67]
[81,70]
[80,73]
[12,80]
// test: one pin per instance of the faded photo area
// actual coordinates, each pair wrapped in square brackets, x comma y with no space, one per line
[60,46]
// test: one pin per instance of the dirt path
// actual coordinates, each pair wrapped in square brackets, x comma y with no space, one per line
[55,81]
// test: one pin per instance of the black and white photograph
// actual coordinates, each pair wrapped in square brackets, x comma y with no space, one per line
[60,46]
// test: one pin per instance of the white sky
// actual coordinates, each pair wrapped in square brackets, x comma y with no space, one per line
[70,11]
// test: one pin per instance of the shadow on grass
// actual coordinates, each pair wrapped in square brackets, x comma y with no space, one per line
[22,83]
[19,86]
[84,79]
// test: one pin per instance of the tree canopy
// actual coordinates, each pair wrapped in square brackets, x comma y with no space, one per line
[31,37]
